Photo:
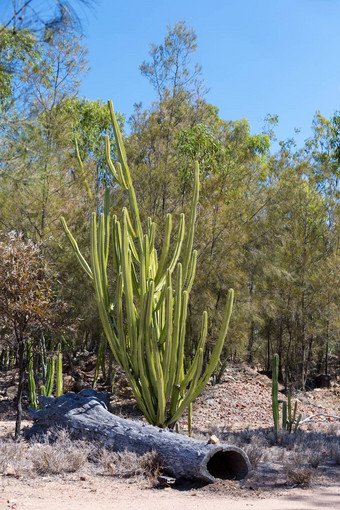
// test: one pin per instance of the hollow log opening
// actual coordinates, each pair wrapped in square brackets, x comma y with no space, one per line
[227,465]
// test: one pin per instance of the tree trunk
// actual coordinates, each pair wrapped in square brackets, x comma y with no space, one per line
[85,415]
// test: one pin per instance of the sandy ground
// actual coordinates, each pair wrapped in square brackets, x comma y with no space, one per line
[94,494]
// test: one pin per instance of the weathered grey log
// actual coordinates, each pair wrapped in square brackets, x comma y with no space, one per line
[85,414]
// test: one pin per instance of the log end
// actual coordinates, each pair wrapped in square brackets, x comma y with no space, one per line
[225,462]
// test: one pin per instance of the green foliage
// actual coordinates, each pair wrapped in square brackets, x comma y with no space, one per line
[17,47]
[147,333]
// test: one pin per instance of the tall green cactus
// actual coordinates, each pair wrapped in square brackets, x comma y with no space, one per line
[145,322]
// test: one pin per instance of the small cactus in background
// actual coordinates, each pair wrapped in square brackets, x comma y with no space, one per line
[50,376]
[289,420]
[59,375]
[31,381]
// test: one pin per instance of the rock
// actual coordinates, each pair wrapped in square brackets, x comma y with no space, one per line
[213,440]
[323,381]
[11,392]
[166,481]
[68,382]
[9,470]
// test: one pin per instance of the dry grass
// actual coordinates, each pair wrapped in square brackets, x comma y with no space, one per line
[56,453]
[13,458]
[299,476]
[129,464]
[63,455]
[300,457]
[335,454]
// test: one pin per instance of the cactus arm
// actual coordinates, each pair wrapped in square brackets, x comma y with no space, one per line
[106,224]
[190,395]
[216,353]
[116,174]
[168,341]
[76,250]
[152,235]
[103,311]
[285,422]
[165,248]
[191,271]
[180,358]
[193,367]
[127,177]
[128,292]
[31,389]
[189,419]
[175,330]
[297,422]
[31,381]
[176,254]
[147,391]
[50,377]
[192,221]
[156,362]
[117,244]
[102,258]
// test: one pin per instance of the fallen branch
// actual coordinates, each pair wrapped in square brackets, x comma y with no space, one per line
[319,414]
[85,415]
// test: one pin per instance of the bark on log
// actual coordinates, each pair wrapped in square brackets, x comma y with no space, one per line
[85,414]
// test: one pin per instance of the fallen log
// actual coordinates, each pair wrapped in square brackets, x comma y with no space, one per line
[86,415]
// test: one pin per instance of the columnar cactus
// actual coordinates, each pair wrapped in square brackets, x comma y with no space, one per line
[288,416]
[145,322]
[31,381]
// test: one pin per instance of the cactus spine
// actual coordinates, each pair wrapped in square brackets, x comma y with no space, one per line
[145,322]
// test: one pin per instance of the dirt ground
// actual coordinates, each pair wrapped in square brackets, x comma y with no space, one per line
[242,399]
[93,493]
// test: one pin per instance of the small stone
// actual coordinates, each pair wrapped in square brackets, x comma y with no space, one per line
[166,481]
[213,440]
[9,470]
[84,478]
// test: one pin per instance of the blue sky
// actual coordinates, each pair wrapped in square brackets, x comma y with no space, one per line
[258,56]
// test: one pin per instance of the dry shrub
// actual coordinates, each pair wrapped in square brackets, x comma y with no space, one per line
[128,464]
[335,454]
[314,459]
[255,454]
[297,472]
[301,476]
[13,458]
[61,456]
